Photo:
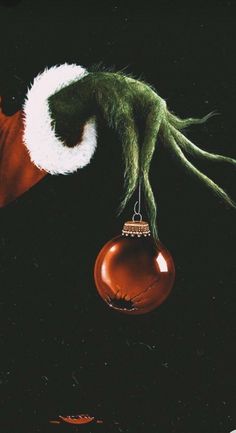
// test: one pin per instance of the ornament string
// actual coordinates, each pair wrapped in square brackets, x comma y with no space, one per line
[137,212]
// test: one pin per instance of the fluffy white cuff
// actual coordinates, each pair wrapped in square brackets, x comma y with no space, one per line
[46,150]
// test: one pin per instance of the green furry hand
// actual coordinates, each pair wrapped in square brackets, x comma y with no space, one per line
[124,103]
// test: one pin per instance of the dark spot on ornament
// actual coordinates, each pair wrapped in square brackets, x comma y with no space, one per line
[121,304]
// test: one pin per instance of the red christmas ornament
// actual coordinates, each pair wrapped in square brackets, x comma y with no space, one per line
[134,274]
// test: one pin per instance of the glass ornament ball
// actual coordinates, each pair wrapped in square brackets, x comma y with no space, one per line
[132,273]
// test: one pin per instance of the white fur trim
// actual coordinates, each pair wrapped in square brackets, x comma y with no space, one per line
[46,150]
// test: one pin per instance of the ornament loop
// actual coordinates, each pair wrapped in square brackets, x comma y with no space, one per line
[137,206]
[137,214]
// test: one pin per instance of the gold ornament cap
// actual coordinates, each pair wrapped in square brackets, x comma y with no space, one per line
[136,228]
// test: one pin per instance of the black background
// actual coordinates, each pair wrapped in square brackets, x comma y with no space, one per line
[62,350]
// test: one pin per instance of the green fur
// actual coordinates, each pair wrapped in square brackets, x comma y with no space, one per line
[125,104]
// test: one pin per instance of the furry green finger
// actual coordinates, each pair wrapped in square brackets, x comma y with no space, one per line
[177,152]
[184,123]
[194,150]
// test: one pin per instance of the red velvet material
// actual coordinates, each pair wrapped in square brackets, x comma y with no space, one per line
[17,173]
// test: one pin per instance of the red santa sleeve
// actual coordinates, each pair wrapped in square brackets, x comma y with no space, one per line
[17,171]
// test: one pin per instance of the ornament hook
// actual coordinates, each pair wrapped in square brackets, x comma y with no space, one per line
[137,213]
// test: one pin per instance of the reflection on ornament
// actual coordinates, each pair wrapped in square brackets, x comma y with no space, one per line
[77,419]
[134,274]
